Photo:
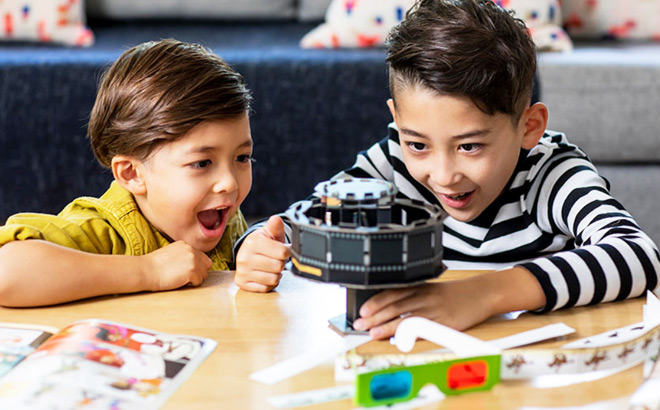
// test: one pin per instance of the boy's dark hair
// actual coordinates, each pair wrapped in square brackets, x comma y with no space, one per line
[470,48]
[156,92]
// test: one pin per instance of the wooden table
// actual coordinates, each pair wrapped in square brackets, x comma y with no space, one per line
[255,331]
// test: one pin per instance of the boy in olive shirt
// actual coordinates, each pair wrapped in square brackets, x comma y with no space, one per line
[171,122]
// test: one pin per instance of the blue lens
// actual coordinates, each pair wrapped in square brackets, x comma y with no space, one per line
[390,385]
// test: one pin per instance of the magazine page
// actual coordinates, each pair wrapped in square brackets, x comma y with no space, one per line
[17,341]
[99,364]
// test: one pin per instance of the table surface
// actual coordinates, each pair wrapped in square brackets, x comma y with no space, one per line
[255,331]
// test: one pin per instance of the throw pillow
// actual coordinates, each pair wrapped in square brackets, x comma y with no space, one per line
[365,23]
[48,21]
[622,19]
[543,20]
[356,23]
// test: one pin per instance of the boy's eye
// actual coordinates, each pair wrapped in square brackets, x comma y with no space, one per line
[417,146]
[245,158]
[201,164]
[470,147]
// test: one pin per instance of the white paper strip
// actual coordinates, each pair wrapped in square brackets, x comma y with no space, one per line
[462,344]
[651,320]
[525,338]
[298,364]
[533,336]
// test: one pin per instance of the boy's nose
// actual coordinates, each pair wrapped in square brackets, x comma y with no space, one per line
[445,174]
[226,182]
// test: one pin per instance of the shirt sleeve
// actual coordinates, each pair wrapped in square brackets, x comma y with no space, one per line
[85,231]
[612,258]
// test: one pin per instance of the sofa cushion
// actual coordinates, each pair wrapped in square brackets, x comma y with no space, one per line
[630,184]
[194,9]
[44,21]
[350,24]
[625,19]
[606,98]
[312,10]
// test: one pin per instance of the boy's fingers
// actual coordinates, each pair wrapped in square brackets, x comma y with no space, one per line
[266,278]
[386,309]
[257,287]
[271,248]
[382,300]
[196,281]
[208,263]
[275,228]
[265,264]
[385,331]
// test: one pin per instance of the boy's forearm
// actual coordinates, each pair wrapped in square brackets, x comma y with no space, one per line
[37,273]
[512,290]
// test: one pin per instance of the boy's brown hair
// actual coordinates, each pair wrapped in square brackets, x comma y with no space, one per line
[471,48]
[156,92]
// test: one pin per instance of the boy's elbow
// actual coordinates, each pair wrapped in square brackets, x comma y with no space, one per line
[6,285]
[10,278]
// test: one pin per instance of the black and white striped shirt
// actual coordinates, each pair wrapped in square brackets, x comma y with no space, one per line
[556,218]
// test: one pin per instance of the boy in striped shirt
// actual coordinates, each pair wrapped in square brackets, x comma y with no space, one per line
[519,198]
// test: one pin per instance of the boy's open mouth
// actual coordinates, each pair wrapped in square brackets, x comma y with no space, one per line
[457,201]
[211,219]
[459,196]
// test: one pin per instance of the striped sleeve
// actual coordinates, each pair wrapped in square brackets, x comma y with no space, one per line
[613,258]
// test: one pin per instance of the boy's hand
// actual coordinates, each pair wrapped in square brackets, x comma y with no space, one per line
[262,256]
[459,304]
[176,265]
[448,303]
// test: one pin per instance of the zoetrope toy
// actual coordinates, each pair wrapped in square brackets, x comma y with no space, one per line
[359,235]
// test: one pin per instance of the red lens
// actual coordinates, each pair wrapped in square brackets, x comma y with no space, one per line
[467,375]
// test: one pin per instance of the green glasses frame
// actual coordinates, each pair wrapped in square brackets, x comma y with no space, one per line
[399,384]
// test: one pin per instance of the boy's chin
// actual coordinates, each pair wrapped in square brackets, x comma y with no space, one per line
[461,217]
[208,247]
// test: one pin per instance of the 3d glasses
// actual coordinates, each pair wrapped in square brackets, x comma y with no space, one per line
[452,377]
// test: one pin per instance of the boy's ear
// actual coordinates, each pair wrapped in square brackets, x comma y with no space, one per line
[390,104]
[127,171]
[534,120]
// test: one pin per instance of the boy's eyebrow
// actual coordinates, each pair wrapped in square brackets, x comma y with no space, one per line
[470,134]
[207,148]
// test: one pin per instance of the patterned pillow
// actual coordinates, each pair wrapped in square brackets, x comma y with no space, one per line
[365,23]
[357,23]
[56,21]
[625,19]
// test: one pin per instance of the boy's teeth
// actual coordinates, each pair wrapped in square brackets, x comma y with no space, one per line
[217,223]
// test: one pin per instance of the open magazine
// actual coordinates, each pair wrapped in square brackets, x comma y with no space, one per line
[94,364]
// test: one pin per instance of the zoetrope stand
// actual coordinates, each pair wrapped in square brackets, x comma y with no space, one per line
[359,235]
